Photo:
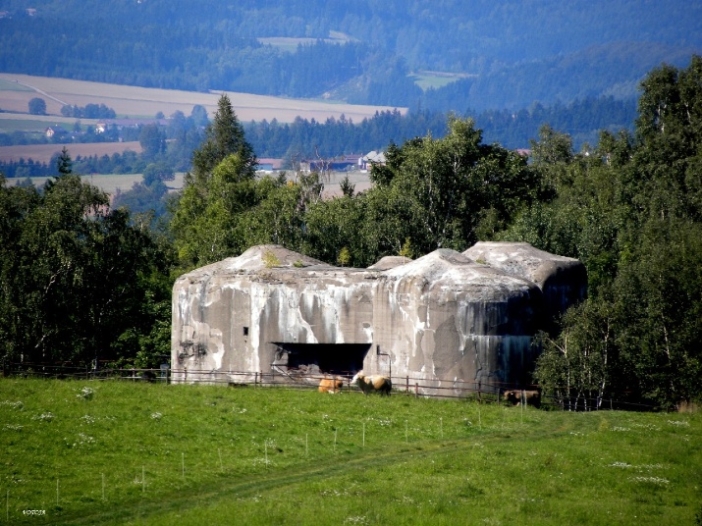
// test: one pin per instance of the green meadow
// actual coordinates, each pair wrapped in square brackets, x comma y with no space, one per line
[111,452]
[433,79]
[8,85]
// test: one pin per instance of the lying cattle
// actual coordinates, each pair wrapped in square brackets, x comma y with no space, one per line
[330,385]
[516,396]
[373,384]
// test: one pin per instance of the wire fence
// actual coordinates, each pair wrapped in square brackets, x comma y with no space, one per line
[417,386]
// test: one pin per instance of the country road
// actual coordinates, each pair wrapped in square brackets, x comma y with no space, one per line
[34,88]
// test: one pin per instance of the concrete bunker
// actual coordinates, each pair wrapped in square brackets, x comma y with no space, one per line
[445,320]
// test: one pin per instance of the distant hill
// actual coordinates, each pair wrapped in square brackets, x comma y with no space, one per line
[511,53]
[613,69]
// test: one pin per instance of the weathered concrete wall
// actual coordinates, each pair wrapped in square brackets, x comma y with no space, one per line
[229,316]
[562,280]
[443,318]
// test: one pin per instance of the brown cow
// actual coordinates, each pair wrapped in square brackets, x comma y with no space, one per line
[373,384]
[515,397]
[330,385]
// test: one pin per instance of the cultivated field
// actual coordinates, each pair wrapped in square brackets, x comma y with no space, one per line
[136,102]
[43,152]
[108,452]
[109,183]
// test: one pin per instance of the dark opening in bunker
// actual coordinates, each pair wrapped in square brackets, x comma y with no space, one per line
[332,358]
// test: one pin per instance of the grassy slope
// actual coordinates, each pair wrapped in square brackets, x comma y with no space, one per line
[276,456]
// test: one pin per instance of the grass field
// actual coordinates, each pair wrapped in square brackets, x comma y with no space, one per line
[83,452]
[290,43]
[435,79]
[9,85]
[137,102]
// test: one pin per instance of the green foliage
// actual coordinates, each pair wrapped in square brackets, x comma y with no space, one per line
[446,192]
[344,257]
[406,250]
[64,164]
[270,260]
[333,458]
[347,188]
[629,209]
[89,111]
[152,140]
[224,137]
[333,224]
[277,216]
[75,275]
[575,368]
[158,172]
[37,106]
[216,194]
[443,192]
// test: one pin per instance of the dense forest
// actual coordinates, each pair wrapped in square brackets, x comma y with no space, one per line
[509,54]
[83,281]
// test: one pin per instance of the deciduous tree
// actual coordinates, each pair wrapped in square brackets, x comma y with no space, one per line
[37,106]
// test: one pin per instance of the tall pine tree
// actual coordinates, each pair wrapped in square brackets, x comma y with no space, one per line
[220,186]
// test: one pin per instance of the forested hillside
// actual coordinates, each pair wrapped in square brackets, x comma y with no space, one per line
[502,55]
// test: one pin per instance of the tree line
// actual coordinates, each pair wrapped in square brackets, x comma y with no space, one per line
[306,139]
[581,119]
[89,111]
[82,280]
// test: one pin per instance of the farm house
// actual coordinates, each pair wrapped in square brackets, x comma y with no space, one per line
[445,319]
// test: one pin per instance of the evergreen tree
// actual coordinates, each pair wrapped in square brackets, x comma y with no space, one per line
[221,186]
[224,136]
[64,164]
